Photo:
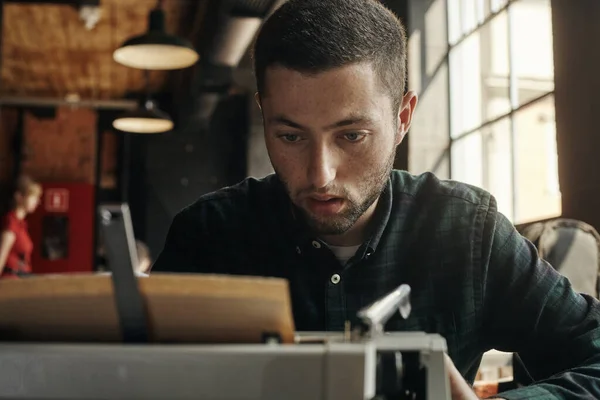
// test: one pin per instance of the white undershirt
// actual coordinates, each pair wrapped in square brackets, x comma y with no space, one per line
[343,253]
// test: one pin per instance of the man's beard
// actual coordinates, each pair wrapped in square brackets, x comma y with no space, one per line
[370,187]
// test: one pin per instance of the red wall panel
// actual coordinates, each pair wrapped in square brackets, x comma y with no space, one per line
[70,205]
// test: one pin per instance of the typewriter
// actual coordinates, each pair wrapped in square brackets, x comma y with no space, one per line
[118,337]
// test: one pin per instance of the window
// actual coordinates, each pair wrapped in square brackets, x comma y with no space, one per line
[429,77]
[497,167]
[537,195]
[532,55]
[486,113]
[497,4]
[466,159]
[479,79]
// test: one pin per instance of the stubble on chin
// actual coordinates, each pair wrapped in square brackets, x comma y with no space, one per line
[371,187]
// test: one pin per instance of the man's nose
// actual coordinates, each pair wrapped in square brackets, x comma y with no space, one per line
[322,167]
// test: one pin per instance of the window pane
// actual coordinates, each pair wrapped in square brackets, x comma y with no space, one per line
[454,26]
[497,151]
[497,4]
[429,136]
[464,16]
[495,61]
[436,35]
[442,168]
[487,8]
[481,11]
[538,194]
[465,86]
[427,42]
[466,159]
[532,54]
[468,14]
[479,81]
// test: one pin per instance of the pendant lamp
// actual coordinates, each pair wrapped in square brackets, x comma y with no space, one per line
[145,119]
[156,49]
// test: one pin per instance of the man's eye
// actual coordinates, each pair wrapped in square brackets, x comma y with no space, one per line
[290,137]
[353,136]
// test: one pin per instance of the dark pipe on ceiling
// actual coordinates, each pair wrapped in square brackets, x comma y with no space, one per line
[228,31]
[238,23]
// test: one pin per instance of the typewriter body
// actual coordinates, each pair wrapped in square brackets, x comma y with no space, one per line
[394,366]
[132,346]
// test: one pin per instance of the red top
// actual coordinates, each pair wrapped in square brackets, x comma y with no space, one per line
[19,257]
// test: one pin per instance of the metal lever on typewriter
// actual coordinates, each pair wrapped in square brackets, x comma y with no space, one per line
[376,314]
[398,375]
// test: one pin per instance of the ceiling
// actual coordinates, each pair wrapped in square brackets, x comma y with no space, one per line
[47,52]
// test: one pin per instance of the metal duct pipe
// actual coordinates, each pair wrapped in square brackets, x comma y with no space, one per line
[233,40]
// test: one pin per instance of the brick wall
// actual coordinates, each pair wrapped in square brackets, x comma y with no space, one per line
[62,147]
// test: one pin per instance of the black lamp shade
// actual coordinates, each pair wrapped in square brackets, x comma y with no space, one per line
[147,119]
[156,50]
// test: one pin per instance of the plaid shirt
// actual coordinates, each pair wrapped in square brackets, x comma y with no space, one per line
[474,279]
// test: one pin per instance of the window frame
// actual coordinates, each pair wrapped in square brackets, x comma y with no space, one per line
[515,107]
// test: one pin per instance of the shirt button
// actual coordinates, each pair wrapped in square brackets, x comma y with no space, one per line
[335,279]
[298,250]
[316,244]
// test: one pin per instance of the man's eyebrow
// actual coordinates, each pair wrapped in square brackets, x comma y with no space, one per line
[281,120]
[350,120]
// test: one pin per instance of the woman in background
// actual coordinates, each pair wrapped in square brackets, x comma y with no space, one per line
[15,243]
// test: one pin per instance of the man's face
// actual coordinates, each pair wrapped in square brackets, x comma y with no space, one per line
[331,138]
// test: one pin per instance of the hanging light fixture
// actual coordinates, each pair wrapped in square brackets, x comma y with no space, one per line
[156,50]
[145,119]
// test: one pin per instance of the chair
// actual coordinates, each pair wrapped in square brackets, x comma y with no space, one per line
[572,247]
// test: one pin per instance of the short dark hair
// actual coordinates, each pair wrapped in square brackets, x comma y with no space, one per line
[312,36]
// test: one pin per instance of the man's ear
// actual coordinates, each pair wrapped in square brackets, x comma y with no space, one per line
[257,99]
[405,115]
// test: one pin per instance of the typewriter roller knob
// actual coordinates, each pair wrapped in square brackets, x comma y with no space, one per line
[376,314]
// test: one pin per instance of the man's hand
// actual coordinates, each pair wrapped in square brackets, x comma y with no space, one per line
[459,388]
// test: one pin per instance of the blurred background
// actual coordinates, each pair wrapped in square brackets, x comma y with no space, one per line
[150,103]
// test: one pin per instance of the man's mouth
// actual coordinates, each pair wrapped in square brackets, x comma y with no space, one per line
[323,197]
[324,204]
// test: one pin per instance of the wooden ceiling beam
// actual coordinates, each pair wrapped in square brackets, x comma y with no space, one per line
[75,3]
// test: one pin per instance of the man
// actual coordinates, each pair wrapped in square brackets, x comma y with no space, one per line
[345,229]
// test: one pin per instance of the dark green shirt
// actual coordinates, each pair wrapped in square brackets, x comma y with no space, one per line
[474,279]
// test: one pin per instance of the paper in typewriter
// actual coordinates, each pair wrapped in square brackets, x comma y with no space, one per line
[181,308]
